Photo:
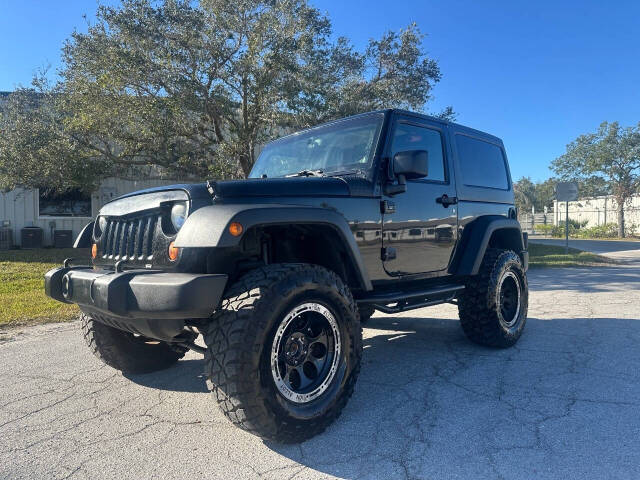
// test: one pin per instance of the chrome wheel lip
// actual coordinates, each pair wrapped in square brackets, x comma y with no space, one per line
[283,388]
[509,323]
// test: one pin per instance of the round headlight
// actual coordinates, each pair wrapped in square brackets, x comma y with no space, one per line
[178,215]
[101,226]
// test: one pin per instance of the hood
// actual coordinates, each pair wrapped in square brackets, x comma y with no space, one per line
[194,190]
[350,186]
[292,187]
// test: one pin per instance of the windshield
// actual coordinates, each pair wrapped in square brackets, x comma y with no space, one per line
[347,145]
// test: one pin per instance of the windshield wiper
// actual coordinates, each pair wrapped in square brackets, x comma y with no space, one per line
[307,173]
[345,172]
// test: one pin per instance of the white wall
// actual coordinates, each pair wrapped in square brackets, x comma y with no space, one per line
[20,207]
[598,211]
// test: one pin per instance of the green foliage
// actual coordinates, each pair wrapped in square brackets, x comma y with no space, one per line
[577,224]
[632,229]
[35,150]
[609,230]
[544,229]
[524,191]
[559,230]
[529,194]
[593,187]
[177,88]
[580,230]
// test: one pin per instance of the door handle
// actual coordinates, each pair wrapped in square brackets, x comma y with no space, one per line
[445,200]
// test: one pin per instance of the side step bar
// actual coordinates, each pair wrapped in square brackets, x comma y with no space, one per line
[394,302]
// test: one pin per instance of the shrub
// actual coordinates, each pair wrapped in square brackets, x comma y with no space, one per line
[543,229]
[609,230]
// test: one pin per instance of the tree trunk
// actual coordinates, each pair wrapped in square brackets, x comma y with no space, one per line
[620,217]
[245,163]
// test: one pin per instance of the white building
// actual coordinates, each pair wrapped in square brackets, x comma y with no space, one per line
[32,208]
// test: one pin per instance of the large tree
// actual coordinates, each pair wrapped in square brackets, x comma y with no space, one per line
[609,156]
[536,195]
[545,194]
[180,88]
[36,151]
[524,191]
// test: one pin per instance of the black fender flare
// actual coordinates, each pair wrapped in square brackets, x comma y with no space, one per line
[83,240]
[475,241]
[207,227]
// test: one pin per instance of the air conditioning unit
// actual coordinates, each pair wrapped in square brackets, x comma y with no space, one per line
[31,237]
[63,239]
[6,238]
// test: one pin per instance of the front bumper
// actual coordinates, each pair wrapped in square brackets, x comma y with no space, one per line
[137,294]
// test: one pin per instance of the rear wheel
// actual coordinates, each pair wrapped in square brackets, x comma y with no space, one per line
[493,306]
[283,351]
[127,352]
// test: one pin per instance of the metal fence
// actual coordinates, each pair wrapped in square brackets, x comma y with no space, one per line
[529,221]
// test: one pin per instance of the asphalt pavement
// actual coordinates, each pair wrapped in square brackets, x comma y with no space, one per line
[563,403]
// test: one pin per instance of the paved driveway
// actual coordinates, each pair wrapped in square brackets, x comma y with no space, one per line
[564,403]
[626,251]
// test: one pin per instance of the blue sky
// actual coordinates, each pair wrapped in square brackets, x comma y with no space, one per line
[536,74]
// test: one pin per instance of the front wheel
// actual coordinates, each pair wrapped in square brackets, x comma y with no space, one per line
[283,351]
[125,351]
[493,306]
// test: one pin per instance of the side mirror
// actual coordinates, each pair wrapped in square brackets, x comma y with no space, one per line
[409,164]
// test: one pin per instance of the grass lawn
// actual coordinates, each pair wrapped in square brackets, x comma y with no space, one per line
[22,298]
[555,256]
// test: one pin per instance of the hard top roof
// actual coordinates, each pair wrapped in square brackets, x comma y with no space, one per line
[388,111]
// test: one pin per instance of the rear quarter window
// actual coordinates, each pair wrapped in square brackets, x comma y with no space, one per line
[482,164]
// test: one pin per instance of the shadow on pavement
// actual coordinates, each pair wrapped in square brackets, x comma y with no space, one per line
[184,376]
[584,279]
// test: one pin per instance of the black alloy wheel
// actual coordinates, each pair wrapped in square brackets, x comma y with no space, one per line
[305,352]
[509,295]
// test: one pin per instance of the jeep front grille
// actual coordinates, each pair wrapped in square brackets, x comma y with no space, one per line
[129,239]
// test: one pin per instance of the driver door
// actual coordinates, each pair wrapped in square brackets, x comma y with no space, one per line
[420,235]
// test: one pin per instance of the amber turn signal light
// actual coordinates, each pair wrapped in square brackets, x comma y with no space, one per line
[173,252]
[94,250]
[235,229]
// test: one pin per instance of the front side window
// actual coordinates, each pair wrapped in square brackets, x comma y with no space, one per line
[347,145]
[482,164]
[72,203]
[412,137]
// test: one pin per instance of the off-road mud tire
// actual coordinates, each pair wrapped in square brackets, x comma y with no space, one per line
[479,303]
[126,352]
[239,341]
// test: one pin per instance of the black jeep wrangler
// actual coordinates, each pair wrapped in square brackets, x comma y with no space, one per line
[386,211]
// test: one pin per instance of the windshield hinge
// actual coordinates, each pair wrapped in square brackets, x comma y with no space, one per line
[387,253]
[387,207]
